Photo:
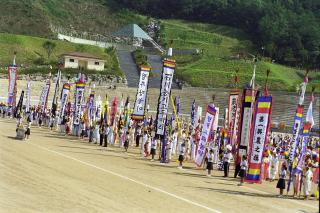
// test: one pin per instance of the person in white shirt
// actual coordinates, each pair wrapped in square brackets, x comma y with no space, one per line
[210,157]
[144,141]
[168,149]
[274,165]
[243,169]
[307,182]
[226,162]
[153,148]
[106,135]
[174,141]
[181,155]
[281,185]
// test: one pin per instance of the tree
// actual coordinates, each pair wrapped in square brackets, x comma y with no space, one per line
[49,47]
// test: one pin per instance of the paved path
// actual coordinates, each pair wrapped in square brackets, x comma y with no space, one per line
[55,173]
[156,63]
[129,67]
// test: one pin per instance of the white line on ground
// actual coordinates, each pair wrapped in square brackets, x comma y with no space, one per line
[262,192]
[129,179]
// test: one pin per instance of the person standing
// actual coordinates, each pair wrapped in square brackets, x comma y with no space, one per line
[106,135]
[307,181]
[226,162]
[274,164]
[138,135]
[174,141]
[243,169]
[281,185]
[27,133]
[126,141]
[153,148]
[210,157]
[101,132]
[181,155]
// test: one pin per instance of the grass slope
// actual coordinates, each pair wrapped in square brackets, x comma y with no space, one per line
[29,49]
[214,67]
[36,17]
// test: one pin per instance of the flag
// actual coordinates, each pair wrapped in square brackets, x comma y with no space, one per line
[56,88]
[164,97]
[28,97]
[309,118]
[44,95]
[193,111]
[141,96]
[12,87]
[178,109]
[261,125]
[19,106]
[205,133]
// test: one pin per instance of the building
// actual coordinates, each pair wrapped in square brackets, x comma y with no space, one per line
[79,60]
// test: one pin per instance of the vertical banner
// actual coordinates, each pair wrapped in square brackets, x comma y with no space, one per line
[141,97]
[64,99]
[90,109]
[114,108]
[205,133]
[193,112]
[305,140]
[20,103]
[297,121]
[261,124]
[165,90]
[12,76]
[232,114]
[216,120]
[295,131]
[44,96]
[56,88]
[245,122]
[28,97]
[80,85]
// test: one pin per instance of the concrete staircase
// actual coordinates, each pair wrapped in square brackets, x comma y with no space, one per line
[129,67]
[156,63]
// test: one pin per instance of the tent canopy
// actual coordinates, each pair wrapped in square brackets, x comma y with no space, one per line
[132,31]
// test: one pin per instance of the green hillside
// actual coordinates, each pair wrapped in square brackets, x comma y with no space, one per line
[216,63]
[219,46]
[30,52]
[40,17]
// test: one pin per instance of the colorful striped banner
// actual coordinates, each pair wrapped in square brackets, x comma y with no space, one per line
[262,116]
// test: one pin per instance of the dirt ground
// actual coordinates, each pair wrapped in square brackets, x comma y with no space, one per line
[55,173]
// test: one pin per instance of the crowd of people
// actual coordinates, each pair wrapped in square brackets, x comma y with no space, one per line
[181,144]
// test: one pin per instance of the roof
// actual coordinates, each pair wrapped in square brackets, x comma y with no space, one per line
[133,31]
[83,55]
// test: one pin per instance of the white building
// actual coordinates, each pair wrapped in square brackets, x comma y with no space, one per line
[78,60]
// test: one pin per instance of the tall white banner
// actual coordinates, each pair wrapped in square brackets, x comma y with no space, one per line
[12,76]
[78,102]
[164,97]
[44,96]
[140,102]
[205,133]
[64,99]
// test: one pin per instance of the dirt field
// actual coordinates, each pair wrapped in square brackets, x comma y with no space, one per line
[55,173]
